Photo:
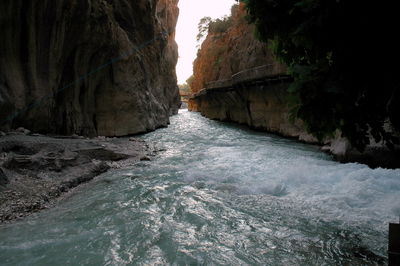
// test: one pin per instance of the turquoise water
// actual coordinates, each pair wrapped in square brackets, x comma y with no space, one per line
[218,195]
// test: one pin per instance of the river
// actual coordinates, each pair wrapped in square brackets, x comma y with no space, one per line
[218,194]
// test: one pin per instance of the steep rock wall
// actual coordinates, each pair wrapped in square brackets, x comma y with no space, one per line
[260,107]
[224,54]
[95,67]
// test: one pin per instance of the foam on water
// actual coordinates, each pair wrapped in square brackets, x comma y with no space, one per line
[219,194]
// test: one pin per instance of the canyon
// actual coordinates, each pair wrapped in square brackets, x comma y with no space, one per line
[78,78]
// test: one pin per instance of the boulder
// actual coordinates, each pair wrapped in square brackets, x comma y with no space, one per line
[23,131]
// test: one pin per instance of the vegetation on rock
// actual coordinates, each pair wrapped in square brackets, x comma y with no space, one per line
[340,55]
[184,88]
[216,26]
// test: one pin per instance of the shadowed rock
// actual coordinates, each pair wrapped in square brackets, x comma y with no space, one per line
[87,67]
[3,178]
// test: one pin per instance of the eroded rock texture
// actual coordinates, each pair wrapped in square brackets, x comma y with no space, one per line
[95,67]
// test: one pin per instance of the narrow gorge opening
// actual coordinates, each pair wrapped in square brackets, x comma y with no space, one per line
[187,31]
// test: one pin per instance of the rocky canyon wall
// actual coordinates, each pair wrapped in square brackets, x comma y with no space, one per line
[225,54]
[95,67]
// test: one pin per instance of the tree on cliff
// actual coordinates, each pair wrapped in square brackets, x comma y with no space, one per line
[214,26]
[340,54]
[203,28]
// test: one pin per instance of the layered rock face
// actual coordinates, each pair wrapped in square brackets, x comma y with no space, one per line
[95,67]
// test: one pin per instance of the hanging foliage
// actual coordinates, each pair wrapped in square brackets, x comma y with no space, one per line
[341,55]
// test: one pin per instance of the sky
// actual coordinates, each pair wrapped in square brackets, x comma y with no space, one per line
[191,11]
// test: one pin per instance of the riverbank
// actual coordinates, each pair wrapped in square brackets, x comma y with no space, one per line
[266,108]
[35,170]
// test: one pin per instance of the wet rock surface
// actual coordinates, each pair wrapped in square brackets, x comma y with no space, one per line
[36,170]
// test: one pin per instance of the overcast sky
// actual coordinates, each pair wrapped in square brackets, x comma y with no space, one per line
[191,11]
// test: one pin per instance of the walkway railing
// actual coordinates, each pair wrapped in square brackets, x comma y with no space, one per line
[219,83]
[258,72]
[269,71]
[254,73]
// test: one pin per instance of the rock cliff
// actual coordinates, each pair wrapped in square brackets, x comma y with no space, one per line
[223,54]
[263,107]
[95,67]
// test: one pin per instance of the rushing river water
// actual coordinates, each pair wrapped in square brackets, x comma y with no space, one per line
[218,194]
